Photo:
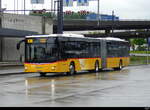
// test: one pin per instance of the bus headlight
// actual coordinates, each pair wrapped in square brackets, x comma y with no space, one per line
[53,67]
[26,68]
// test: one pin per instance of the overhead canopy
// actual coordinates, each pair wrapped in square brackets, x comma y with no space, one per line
[4,32]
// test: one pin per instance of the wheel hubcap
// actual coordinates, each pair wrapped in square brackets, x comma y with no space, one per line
[120,66]
[71,69]
[96,68]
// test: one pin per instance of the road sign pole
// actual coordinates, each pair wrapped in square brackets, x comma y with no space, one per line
[60,17]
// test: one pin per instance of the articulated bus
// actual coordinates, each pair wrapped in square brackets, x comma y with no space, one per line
[70,53]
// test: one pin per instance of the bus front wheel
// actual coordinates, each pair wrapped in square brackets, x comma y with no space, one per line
[42,74]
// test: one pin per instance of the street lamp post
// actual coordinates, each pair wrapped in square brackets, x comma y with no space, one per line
[112,23]
[51,5]
[98,12]
[0,4]
[55,7]
[1,13]
[17,6]
[14,6]
[1,39]
[24,7]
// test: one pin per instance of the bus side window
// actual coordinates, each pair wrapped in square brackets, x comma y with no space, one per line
[62,50]
[90,50]
[97,50]
[109,49]
[83,50]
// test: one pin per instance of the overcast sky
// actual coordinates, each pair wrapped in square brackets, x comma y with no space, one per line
[125,9]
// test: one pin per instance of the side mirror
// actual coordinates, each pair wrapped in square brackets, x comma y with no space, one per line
[19,43]
[18,46]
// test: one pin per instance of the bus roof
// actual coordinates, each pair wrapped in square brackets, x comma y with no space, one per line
[75,36]
[113,39]
[56,35]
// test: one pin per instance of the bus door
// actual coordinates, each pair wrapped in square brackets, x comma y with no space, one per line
[104,53]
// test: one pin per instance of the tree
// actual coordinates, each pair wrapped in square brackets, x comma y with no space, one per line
[139,42]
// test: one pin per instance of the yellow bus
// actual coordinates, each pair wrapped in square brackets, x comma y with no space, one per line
[70,53]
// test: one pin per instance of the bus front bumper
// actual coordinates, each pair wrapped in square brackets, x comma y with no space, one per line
[29,67]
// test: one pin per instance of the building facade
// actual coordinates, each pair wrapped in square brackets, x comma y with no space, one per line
[20,24]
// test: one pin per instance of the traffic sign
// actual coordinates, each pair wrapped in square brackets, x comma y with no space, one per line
[82,2]
[37,1]
[67,2]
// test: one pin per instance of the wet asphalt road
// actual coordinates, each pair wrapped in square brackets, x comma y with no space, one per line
[129,87]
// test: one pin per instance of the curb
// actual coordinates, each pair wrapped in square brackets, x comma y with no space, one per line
[9,65]
[139,65]
[6,74]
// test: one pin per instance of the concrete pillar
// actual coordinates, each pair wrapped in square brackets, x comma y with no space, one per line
[43,25]
[1,49]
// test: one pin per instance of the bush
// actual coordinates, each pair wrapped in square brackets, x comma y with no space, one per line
[141,48]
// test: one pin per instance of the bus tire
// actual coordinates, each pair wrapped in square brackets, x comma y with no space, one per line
[96,66]
[91,71]
[71,69]
[42,74]
[120,66]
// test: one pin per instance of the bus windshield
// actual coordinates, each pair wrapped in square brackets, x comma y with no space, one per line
[41,52]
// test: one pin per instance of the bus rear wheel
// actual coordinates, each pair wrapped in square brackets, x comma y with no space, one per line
[71,69]
[120,66]
[42,74]
[96,66]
